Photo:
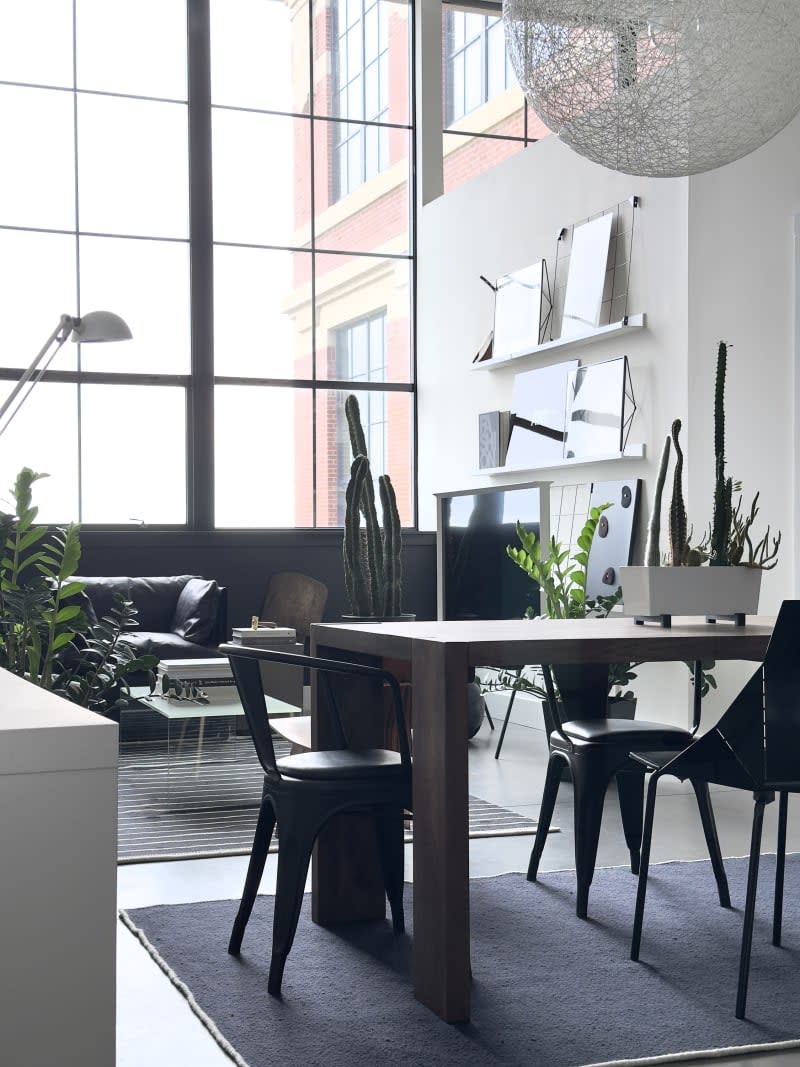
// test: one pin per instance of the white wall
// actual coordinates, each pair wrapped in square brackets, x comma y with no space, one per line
[741,290]
[504,220]
[713,259]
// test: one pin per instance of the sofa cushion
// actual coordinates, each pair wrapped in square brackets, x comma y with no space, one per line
[166,645]
[153,598]
[101,592]
[196,610]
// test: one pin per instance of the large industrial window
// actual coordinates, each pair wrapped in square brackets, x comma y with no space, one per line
[192,183]
[485,114]
[361,64]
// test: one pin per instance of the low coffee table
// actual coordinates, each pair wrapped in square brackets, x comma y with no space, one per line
[203,739]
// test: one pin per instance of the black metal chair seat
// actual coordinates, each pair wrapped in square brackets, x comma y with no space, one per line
[618,731]
[344,765]
[755,746]
[596,750]
[302,792]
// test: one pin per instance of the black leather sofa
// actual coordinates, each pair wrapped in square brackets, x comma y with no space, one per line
[179,617]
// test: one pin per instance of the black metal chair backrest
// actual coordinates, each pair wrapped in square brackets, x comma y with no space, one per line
[762,725]
[782,698]
[247,675]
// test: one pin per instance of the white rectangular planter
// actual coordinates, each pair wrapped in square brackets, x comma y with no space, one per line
[651,591]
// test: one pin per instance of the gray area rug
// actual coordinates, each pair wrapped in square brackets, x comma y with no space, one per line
[550,990]
[198,796]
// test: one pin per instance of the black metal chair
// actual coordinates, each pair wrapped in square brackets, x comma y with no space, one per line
[303,791]
[754,746]
[596,749]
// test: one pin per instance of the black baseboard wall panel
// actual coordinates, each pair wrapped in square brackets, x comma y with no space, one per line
[244,561]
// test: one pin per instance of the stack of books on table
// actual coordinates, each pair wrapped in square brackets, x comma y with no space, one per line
[264,636]
[204,673]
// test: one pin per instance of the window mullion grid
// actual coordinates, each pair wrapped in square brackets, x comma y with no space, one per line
[78,390]
[200,399]
[313,233]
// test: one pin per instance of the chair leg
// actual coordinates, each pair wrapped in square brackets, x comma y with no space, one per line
[703,795]
[750,902]
[630,789]
[780,863]
[255,869]
[590,778]
[504,727]
[389,827]
[489,718]
[552,781]
[644,864]
[297,831]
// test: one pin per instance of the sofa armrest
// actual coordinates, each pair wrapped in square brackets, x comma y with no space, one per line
[220,634]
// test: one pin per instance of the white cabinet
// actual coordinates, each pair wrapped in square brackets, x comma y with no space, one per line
[58,876]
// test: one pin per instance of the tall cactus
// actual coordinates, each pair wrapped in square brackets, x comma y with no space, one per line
[723,487]
[652,551]
[677,510]
[372,556]
[355,579]
[392,562]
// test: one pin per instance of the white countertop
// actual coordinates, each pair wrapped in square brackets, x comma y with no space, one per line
[43,732]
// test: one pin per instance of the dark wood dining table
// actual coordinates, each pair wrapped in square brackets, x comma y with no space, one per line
[439,658]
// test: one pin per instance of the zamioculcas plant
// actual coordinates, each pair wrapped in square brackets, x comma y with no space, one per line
[45,635]
[562,580]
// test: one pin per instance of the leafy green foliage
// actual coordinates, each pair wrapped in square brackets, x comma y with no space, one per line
[561,577]
[45,634]
[562,580]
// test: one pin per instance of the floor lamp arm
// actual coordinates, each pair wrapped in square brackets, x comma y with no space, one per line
[34,371]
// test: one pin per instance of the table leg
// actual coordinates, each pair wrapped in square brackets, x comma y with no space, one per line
[441,829]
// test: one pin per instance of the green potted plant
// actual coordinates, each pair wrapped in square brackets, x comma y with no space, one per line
[561,577]
[372,552]
[721,575]
[562,580]
[45,635]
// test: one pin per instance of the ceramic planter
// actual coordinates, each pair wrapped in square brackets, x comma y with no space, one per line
[661,592]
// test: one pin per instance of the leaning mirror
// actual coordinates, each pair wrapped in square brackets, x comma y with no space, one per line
[521,310]
[586,276]
[600,409]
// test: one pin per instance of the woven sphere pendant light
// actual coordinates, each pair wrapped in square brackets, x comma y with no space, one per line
[658,87]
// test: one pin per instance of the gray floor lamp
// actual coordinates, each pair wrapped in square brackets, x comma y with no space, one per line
[95,326]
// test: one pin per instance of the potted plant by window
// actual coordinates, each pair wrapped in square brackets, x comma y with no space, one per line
[45,635]
[372,552]
[721,576]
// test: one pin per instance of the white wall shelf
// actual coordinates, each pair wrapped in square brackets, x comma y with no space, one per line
[632,322]
[631,452]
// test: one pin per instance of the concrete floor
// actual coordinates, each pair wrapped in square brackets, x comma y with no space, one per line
[155,1028]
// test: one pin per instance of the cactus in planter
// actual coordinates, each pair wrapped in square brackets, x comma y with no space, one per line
[652,552]
[677,508]
[372,556]
[723,487]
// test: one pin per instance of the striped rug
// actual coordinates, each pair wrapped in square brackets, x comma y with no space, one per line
[200,797]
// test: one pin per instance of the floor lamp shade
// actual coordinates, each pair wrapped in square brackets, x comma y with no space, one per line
[94,326]
[100,326]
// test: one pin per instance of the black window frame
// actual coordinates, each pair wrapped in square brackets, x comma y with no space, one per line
[200,382]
